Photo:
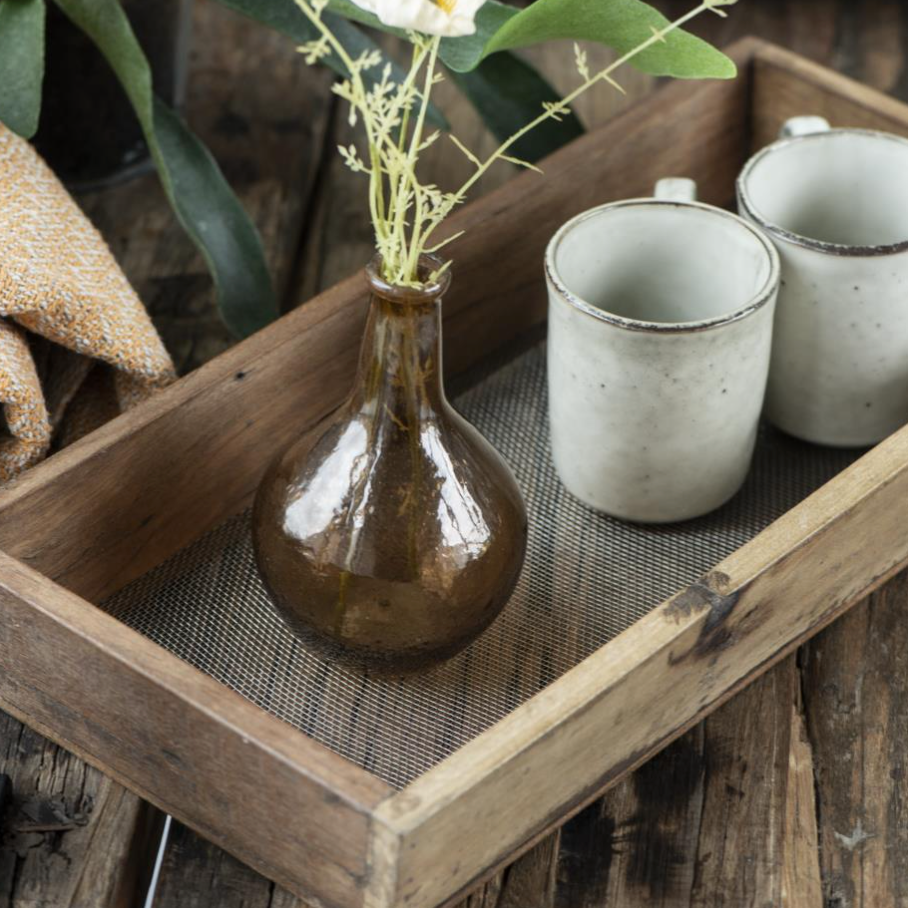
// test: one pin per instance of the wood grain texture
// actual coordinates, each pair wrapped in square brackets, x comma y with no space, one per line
[856,684]
[70,834]
[180,739]
[778,96]
[631,698]
[801,881]
[198,874]
[700,818]
[809,28]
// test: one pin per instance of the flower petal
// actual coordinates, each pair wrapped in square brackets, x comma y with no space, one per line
[464,17]
[425,16]
[367,5]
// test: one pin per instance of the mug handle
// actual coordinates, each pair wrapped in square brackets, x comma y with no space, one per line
[676,189]
[803,126]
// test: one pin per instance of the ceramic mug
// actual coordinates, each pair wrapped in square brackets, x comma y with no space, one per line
[660,329]
[835,204]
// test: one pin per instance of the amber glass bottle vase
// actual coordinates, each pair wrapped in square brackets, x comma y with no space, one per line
[397,536]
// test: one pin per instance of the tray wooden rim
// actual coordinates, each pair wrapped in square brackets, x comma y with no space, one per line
[369,844]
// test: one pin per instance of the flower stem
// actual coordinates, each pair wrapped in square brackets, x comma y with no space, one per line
[552,112]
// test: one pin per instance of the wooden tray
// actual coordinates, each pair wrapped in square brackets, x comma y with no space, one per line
[80,527]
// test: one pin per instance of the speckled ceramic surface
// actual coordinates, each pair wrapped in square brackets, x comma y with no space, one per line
[660,325]
[835,203]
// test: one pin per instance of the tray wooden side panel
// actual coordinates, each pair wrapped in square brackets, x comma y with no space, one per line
[260,789]
[107,510]
[786,85]
[620,706]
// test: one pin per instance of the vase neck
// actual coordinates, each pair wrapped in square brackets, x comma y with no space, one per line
[400,359]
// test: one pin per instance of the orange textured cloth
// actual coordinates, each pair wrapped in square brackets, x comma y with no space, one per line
[59,280]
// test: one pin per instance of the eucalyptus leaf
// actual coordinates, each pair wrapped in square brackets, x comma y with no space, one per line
[620,24]
[285,16]
[203,201]
[508,93]
[466,53]
[21,64]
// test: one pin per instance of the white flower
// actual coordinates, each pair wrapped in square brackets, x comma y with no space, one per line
[449,18]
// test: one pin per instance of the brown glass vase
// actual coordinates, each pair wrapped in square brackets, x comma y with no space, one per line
[397,536]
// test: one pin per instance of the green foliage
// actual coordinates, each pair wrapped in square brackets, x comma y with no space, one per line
[466,53]
[21,64]
[198,192]
[508,93]
[620,24]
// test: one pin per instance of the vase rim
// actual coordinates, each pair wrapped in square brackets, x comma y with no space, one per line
[399,294]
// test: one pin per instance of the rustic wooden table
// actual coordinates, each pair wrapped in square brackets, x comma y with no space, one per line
[792,793]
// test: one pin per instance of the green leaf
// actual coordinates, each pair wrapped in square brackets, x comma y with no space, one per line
[285,16]
[204,203]
[620,24]
[21,64]
[466,53]
[508,93]
[217,223]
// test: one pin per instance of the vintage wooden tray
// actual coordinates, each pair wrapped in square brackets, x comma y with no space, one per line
[318,811]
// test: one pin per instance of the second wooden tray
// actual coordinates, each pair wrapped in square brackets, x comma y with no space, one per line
[356,792]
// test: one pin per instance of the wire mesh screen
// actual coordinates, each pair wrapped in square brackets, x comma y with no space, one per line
[587,578]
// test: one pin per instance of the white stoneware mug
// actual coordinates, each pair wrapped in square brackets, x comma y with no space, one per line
[835,203]
[660,329]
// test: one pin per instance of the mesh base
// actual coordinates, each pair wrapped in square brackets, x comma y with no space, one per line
[587,578]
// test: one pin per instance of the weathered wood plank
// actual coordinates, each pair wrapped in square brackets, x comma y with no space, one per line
[701,823]
[856,697]
[69,834]
[746,758]
[197,874]
[245,777]
[801,884]
[638,844]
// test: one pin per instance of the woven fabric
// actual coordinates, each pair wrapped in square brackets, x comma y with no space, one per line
[59,281]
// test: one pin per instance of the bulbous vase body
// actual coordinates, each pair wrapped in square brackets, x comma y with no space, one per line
[396,536]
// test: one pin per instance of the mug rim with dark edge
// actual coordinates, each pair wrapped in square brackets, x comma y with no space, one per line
[754,304]
[747,205]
